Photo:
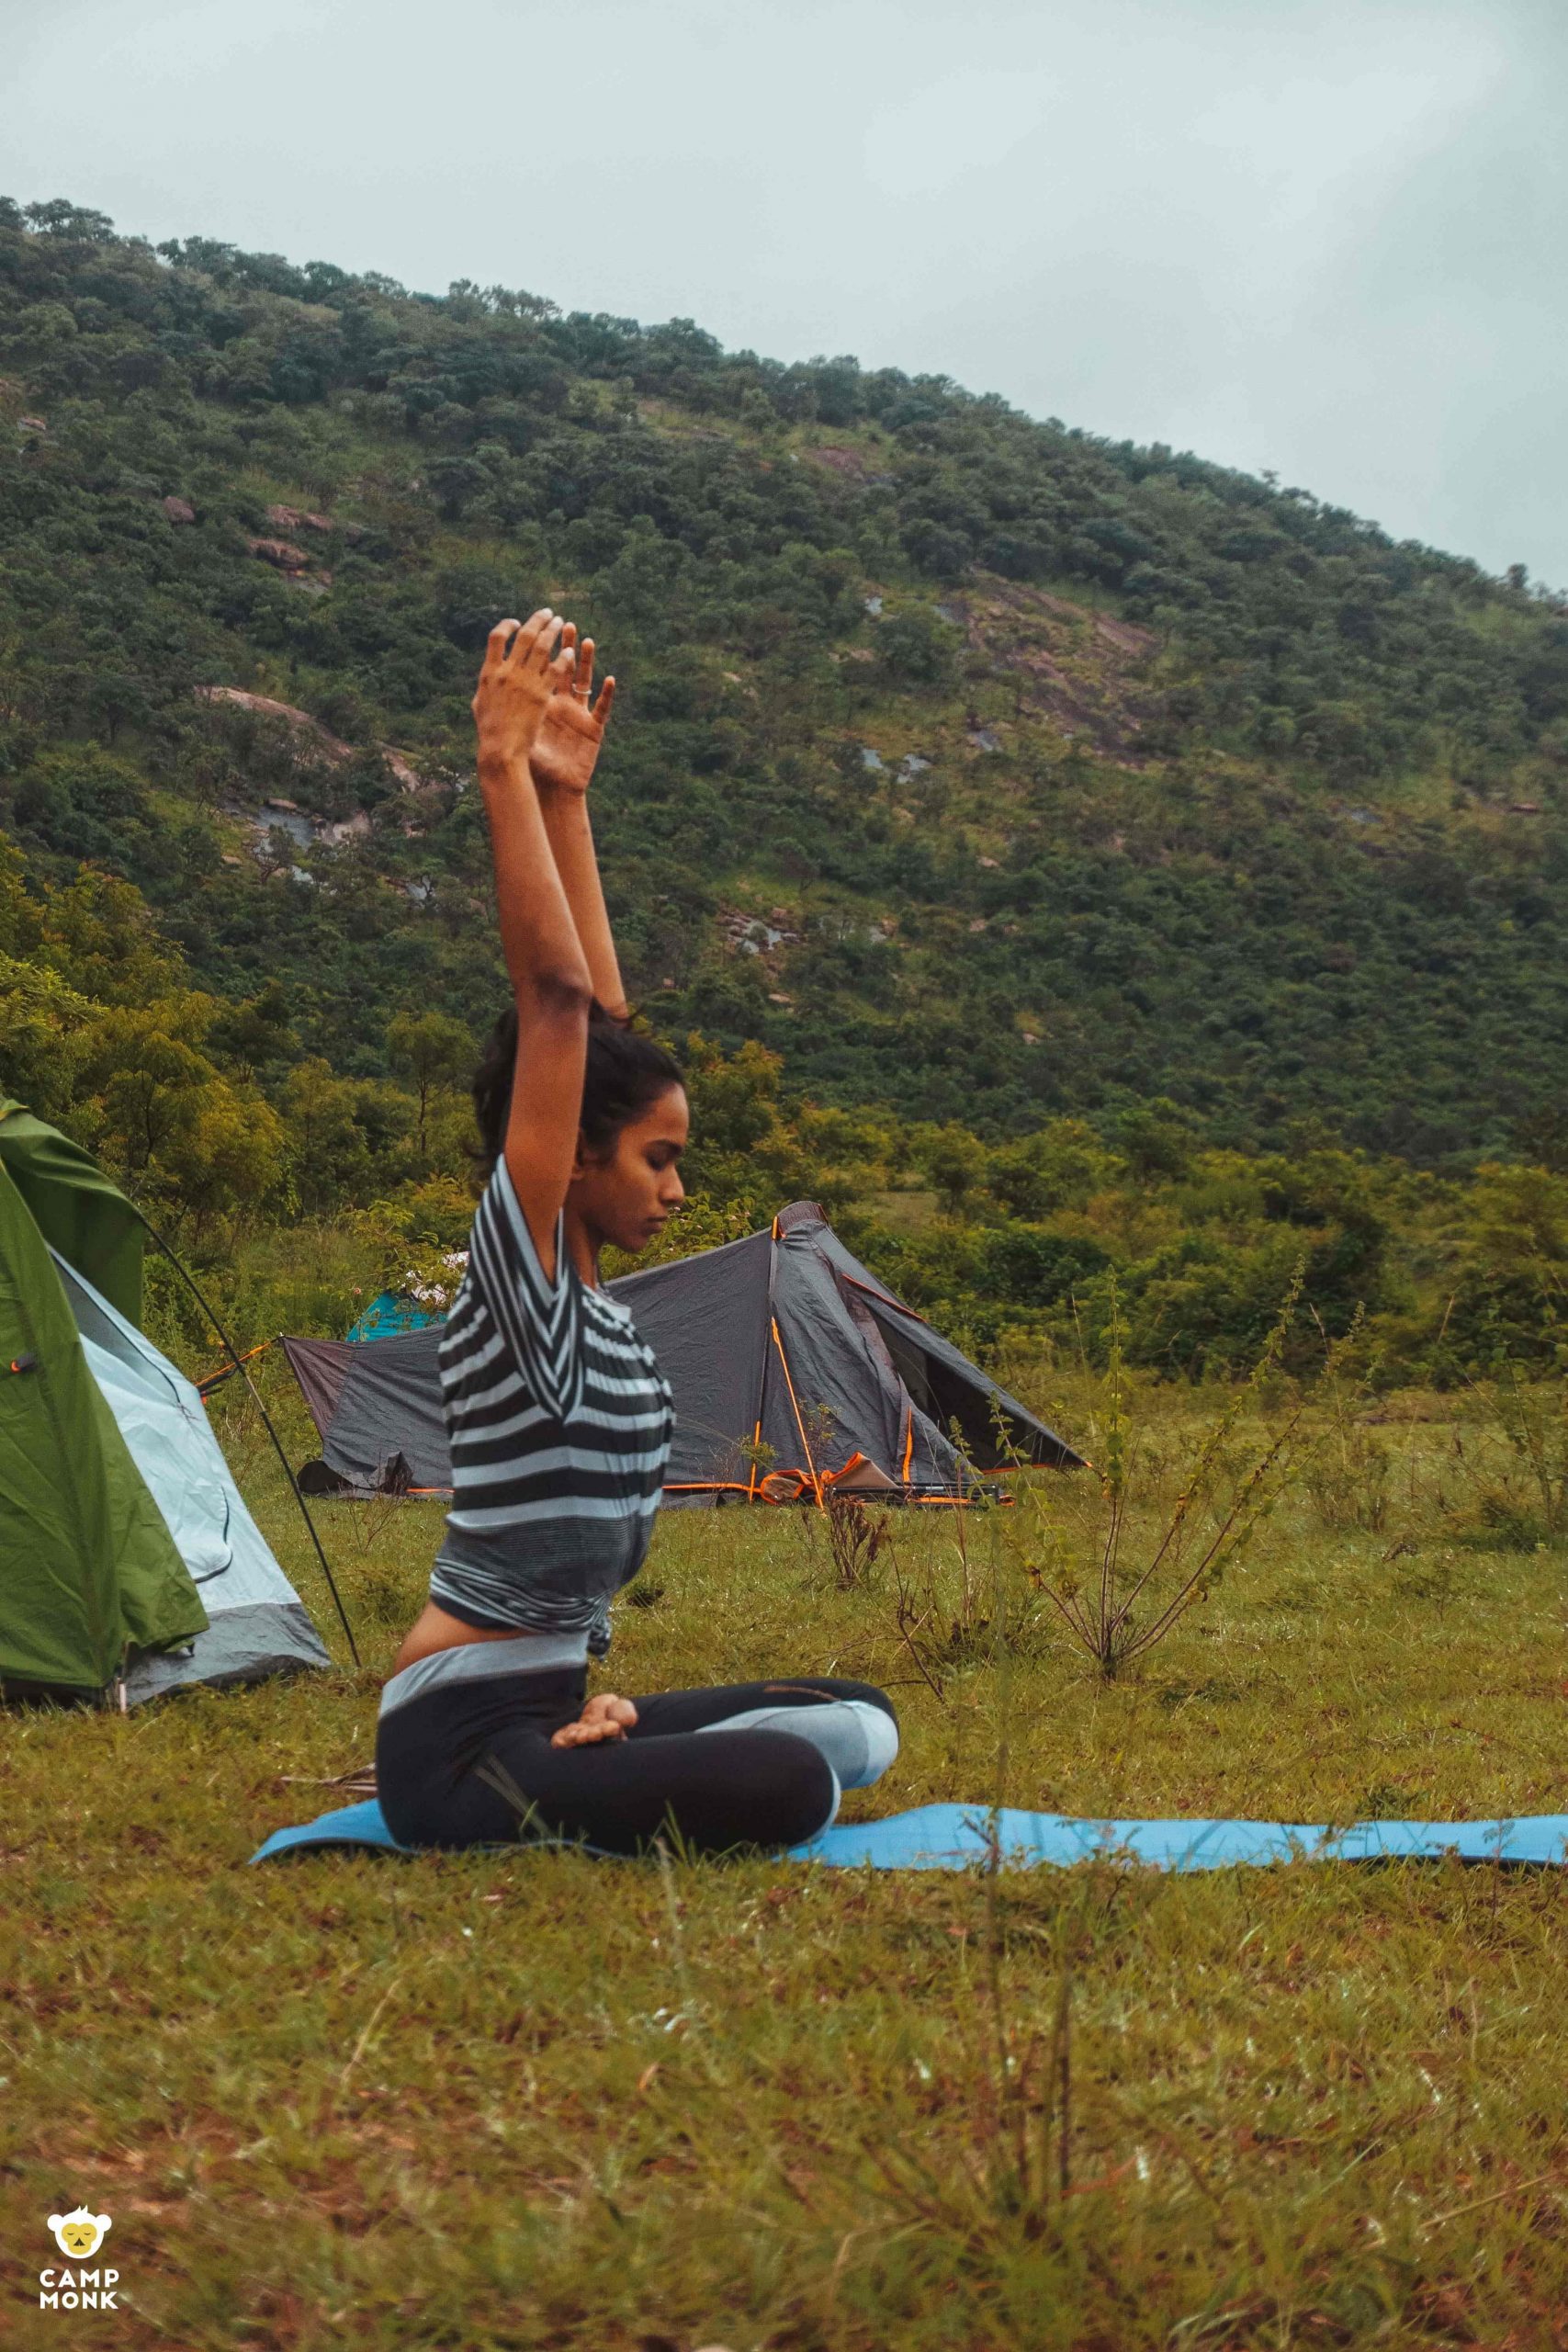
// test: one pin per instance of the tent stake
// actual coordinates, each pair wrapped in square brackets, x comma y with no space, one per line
[239,1366]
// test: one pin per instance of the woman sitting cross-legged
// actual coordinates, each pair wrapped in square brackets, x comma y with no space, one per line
[558,1419]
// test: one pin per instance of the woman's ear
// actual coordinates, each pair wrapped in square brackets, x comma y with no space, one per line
[580,1157]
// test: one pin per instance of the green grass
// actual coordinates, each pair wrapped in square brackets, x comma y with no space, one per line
[533,2100]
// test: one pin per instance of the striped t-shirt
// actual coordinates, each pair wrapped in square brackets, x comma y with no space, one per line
[560,1423]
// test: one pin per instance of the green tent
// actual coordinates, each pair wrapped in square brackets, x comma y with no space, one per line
[74,1206]
[116,1503]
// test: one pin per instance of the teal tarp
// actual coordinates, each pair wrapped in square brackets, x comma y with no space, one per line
[388,1315]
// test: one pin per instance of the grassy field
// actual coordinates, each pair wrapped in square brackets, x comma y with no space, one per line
[532,2100]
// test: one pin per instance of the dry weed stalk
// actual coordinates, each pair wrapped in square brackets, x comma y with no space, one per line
[856,1538]
[1533,1419]
[1101,1611]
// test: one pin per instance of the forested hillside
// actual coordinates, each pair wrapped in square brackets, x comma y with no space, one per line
[999,779]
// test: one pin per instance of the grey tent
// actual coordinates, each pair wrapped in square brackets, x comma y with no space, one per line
[794,1371]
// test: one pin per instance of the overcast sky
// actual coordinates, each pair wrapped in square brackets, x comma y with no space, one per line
[1322,236]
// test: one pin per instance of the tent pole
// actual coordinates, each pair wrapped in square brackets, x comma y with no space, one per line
[239,1366]
[227,1371]
[800,1425]
[762,1383]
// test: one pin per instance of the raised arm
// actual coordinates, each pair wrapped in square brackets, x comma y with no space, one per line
[551,981]
[565,751]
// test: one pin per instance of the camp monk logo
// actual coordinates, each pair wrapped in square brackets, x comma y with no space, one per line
[78,2235]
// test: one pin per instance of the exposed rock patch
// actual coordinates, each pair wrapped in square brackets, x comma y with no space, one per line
[1083,669]
[282,554]
[330,747]
[745,935]
[402,771]
[294,519]
[321,741]
[853,464]
[356,828]
[301,518]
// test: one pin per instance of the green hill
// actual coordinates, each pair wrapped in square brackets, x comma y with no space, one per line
[1043,773]
[999,779]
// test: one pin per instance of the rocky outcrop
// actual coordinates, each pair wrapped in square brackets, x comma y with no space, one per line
[294,519]
[179,510]
[325,744]
[299,518]
[1085,669]
[282,554]
[347,829]
[748,935]
[834,459]
[402,771]
[330,746]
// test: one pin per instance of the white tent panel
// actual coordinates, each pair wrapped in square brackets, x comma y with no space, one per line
[259,1625]
[193,1502]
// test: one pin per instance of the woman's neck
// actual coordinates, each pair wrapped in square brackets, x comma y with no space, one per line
[583,1244]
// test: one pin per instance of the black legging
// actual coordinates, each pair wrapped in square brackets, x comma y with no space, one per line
[470,1763]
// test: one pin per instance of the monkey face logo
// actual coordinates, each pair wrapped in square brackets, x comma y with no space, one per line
[79,2234]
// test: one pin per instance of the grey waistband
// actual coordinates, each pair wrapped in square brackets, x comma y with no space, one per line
[483,1661]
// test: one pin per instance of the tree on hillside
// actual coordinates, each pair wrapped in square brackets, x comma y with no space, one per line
[954,1160]
[435,1054]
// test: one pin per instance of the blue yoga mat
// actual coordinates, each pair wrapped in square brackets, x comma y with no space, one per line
[957,1836]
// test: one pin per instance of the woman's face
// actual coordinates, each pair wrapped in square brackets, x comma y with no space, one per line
[626,1195]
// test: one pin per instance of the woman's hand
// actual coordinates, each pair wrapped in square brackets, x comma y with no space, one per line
[605,1717]
[567,745]
[520,675]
